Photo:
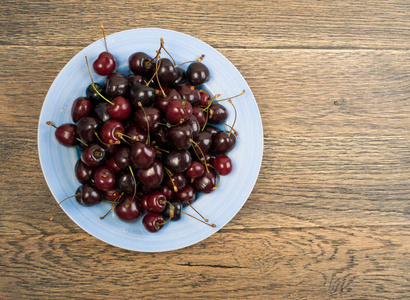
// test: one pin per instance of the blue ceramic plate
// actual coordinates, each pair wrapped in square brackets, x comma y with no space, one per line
[220,206]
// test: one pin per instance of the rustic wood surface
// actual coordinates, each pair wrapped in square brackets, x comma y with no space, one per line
[329,215]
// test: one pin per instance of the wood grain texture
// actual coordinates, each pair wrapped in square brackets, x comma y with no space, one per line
[244,24]
[329,215]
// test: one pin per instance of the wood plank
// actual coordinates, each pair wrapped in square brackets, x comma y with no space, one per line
[244,24]
[348,263]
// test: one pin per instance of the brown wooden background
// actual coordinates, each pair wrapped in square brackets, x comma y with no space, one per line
[329,215]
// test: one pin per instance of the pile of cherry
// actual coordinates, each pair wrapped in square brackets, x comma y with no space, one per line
[147,138]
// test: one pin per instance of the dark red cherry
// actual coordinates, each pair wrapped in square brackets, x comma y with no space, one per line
[88,195]
[128,209]
[122,157]
[156,201]
[195,170]
[153,115]
[86,129]
[160,136]
[193,122]
[197,73]
[199,115]
[178,180]
[66,134]
[92,95]
[112,195]
[151,176]
[217,114]
[204,141]
[83,173]
[112,165]
[189,93]
[176,208]
[135,133]
[104,178]
[223,142]
[169,193]
[180,137]
[162,102]
[205,98]
[185,195]
[140,63]
[141,93]
[121,108]
[223,165]
[177,161]
[117,86]
[110,131]
[167,73]
[181,78]
[153,222]
[211,129]
[142,155]
[81,108]
[133,78]
[104,64]
[178,111]
[93,155]
[206,183]
[109,76]
[101,111]
[125,182]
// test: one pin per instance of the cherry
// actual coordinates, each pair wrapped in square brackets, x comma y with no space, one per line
[140,63]
[152,114]
[161,101]
[205,98]
[135,134]
[104,64]
[101,111]
[112,165]
[178,181]
[125,182]
[122,157]
[180,137]
[133,79]
[83,173]
[66,134]
[109,76]
[112,195]
[204,141]
[160,136]
[81,108]
[193,122]
[128,209]
[117,86]
[88,195]
[151,176]
[218,114]
[178,111]
[176,208]
[86,129]
[195,170]
[169,193]
[141,93]
[206,183]
[142,155]
[189,93]
[121,108]
[91,94]
[197,73]
[223,164]
[154,202]
[93,155]
[153,222]
[211,129]
[177,161]
[223,142]
[111,130]
[186,195]
[181,78]
[199,115]
[104,178]
[167,73]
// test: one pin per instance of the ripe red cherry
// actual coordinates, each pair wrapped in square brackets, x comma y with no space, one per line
[121,108]
[66,134]
[81,108]
[83,173]
[152,176]
[128,209]
[185,195]
[104,178]
[205,183]
[88,195]
[104,64]
[154,202]
[223,164]
[178,110]
[142,155]
[153,222]
[110,131]
[195,170]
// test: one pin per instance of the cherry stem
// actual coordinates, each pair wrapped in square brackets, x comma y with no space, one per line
[156,68]
[219,177]
[156,75]
[243,92]
[212,225]
[110,144]
[127,136]
[207,115]
[116,201]
[171,215]
[51,124]
[105,41]
[233,129]
[205,219]
[169,173]
[146,118]
[78,139]
[160,149]
[234,120]
[191,61]
[135,183]
[58,204]
[203,155]
[163,47]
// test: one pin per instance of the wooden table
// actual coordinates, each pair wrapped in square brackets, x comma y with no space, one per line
[329,215]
